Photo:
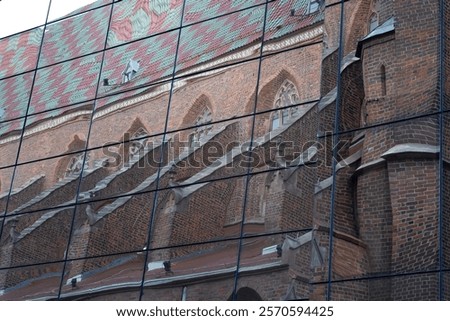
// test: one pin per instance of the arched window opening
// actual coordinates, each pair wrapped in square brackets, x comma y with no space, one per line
[76,164]
[136,144]
[246,294]
[374,17]
[383,80]
[201,130]
[287,96]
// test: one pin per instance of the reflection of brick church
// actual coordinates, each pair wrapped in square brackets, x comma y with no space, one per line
[207,171]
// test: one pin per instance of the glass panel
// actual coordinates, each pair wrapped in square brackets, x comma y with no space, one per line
[196,11]
[181,217]
[446,291]
[9,201]
[14,98]
[275,267]
[212,96]
[76,36]
[138,65]
[202,42]
[109,226]
[68,129]
[217,154]
[37,237]
[136,19]
[9,141]
[419,287]
[5,184]
[66,84]
[285,17]
[18,53]
[140,115]
[87,278]
[386,201]
[287,146]
[61,181]
[171,272]
[290,84]
[37,282]
[129,165]
[445,190]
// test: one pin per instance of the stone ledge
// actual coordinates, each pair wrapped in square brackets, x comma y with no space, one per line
[342,164]
[412,150]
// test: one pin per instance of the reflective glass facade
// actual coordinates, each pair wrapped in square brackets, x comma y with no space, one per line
[227,150]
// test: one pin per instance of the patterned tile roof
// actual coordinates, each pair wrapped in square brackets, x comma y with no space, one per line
[70,82]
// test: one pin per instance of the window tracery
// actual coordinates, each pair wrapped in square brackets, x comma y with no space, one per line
[201,131]
[136,144]
[287,96]
[76,164]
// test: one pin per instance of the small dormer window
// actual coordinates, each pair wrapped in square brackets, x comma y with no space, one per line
[314,6]
[130,71]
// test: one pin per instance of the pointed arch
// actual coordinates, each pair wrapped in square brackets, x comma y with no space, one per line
[132,144]
[246,294]
[374,16]
[383,79]
[356,27]
[199,114]
[286,96]
[268,93]
[136,129]
[277,93]
[201,104]
[71,165]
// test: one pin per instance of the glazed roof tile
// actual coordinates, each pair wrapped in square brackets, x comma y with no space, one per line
[60,82]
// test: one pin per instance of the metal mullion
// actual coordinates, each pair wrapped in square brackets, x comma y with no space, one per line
[335,150]
[161,157]
[249,168]
[3,217]
[441,148]
[84,156]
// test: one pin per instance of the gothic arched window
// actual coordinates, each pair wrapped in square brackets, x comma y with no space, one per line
[287,96]
[374,17]
[136,144]
[75,165]
[201,131]
[383,80]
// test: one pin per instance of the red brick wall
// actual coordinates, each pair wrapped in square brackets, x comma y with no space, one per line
[414,189]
